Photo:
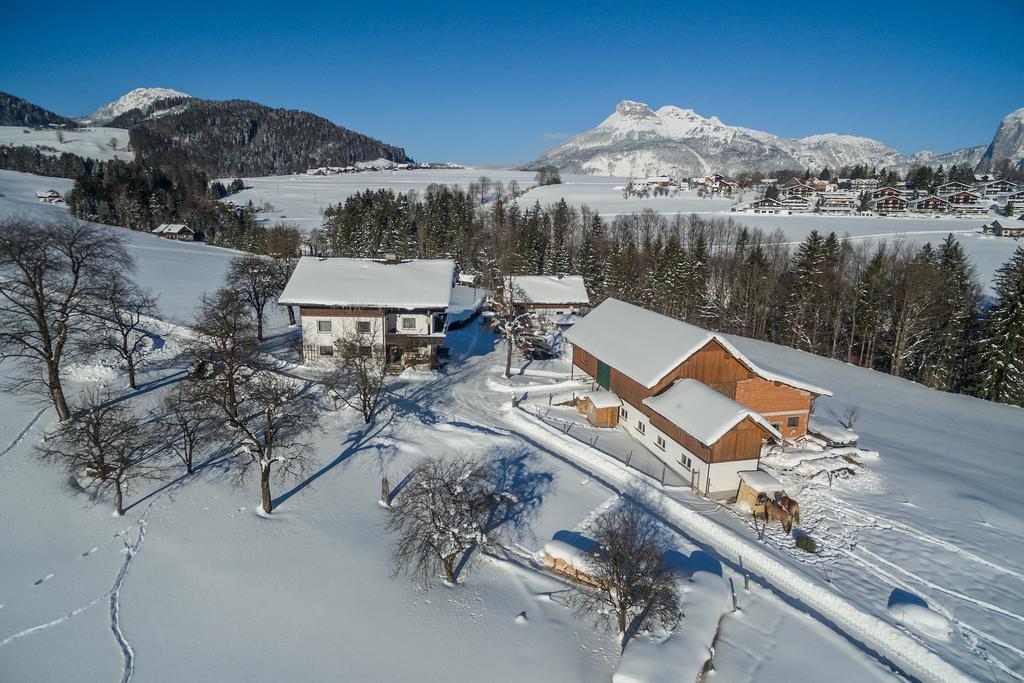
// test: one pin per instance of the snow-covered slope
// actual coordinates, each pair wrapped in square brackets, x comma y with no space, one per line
[140,98]
[84,142]
[637,141]
[1008,142]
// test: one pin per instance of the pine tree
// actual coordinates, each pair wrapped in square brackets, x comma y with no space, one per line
[956,305]
[1000,356]
[802,309]
[589,254]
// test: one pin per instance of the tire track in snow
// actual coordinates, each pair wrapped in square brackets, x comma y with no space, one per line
[22,433]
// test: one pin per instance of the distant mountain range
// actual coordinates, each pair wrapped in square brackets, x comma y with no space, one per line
[638,141]
[229,138]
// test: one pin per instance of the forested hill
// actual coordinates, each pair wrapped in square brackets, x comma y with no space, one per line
[242,138]
[15,111]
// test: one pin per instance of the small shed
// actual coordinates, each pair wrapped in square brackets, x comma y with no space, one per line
[755,487]
[600,407]
[175,231]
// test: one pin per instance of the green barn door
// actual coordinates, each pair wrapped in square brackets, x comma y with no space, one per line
[604,375]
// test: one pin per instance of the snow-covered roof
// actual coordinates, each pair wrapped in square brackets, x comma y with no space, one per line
[1004,224]
[646,345]
[423,283]
[702,412]
[928,198]
[551,289]
[831,430]
[603,399]
[171,228]
[760,481]
[577,554]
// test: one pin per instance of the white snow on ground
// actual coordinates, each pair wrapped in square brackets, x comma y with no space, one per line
[85,142]
[192,584]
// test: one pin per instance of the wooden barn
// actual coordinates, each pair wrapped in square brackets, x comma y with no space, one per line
[550,295]
[638,355]
[757,486]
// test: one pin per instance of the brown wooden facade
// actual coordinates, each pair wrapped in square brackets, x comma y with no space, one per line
[787,408]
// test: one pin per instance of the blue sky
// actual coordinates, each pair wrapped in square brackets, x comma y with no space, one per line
[500,82]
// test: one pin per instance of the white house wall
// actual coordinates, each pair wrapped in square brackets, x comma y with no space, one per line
[342,327]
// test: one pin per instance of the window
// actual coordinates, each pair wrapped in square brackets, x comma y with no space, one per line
[640,427]
[363,326]
[776,426]
[326,350]
[793,422]
[660,441]
[586,357]
[408,323]
[623,413]
[684,461]
[323,325]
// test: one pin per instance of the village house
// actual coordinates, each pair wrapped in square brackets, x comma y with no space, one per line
[930,204]
[796,203]
[1016,202]
[550,296]
[863,184]
[998,187]
[890,205]
[175,231]
[766,205]
[394,307]
[837,203]
[49,196]
[951,188]
[1004,227]
[688,395]
[799,189]
[887,191]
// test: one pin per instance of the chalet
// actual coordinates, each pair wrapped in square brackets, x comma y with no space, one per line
[766,205]
[997,187]
[658,181]
[1016,202]
[930,204]
[550,295]
[889,205]
[49,196]
[887,191]
[963,197]
[795,202]
[393,307]
[800,190]
[837,202]
[863,184]
[1004,227]
[175,231]
[951,188]
[688,395]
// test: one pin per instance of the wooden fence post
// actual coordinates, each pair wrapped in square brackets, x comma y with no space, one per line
[732,589]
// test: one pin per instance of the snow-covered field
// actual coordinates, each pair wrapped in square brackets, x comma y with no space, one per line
[85,142]
[193,584]
[300,200]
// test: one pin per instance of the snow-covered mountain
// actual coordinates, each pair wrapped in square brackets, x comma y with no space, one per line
[636,141]
[1008,142]
[140,98]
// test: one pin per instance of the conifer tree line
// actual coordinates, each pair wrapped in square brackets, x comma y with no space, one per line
[914,311]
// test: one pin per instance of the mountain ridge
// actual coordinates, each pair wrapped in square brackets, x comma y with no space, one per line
[636,140]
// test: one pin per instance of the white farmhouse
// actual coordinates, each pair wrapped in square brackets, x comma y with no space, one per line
[394,307]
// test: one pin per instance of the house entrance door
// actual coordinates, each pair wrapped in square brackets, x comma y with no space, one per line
[604,375]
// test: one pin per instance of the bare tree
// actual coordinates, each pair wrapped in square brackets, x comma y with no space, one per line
[120,313]
[278,416]
[357,379]
[441,514]
[104,447]
[51,275]
[257,282]
[226,337]
[112,143]
[510,321]
[186,424]
[634,587]
[59,134]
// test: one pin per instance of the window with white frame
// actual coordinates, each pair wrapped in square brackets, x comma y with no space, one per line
[641,427]
[323,325]
[326,350]
[408,323]
[623,413]
[363,326]
[684,460]
[660,442]
[585,357]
